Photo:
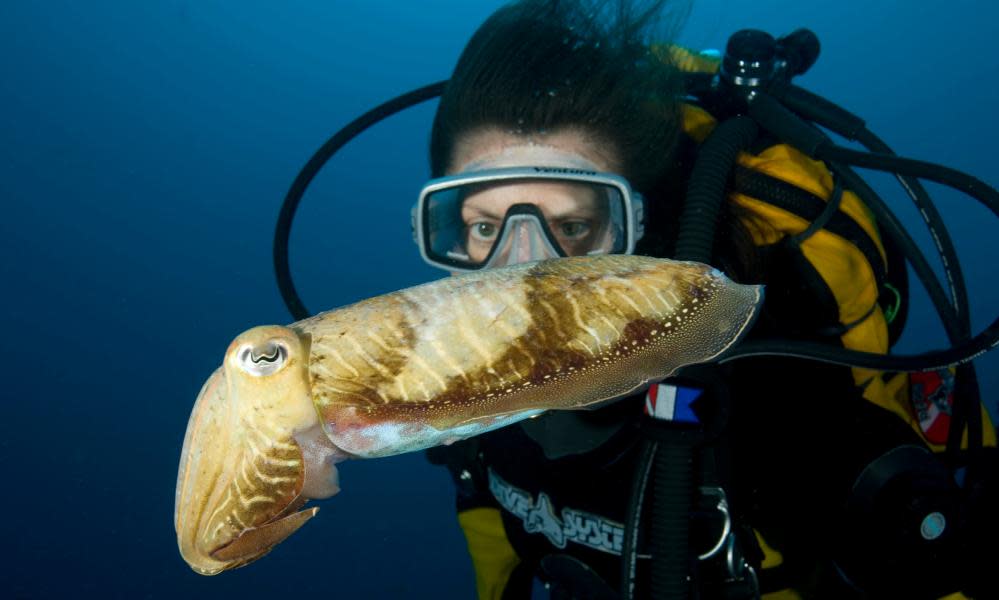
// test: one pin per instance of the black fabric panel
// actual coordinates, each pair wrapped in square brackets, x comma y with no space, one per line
[468,473]
[596,483]
[797,303]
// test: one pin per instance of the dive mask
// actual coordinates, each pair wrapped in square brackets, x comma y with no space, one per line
[495,217]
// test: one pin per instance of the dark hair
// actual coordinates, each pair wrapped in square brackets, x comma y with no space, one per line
[538,66]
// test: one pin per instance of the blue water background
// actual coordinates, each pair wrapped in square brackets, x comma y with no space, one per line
[145,148]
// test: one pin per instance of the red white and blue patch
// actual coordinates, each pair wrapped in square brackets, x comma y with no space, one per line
[671,402]
[932,397]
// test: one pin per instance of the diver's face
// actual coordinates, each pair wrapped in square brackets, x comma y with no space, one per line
[574,213]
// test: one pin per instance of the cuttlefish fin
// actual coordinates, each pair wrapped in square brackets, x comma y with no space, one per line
[253,541]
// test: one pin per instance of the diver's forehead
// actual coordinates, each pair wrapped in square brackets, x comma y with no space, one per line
[492,148]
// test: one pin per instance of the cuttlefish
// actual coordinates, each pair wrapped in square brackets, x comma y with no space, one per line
[425,366]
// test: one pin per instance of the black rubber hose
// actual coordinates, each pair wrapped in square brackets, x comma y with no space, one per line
[673,479]
[892,227]
[947,176]
[925,361]
[890,163]
[282,231]
[673,483]
[706,190]
[788,127]
[955,318]
[955,314]
[938,231]
[967,411]
[958,354]
[839,120]
[633,518]
[821,111]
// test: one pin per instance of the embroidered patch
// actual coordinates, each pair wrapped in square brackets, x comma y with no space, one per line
[932,397]
[671,402]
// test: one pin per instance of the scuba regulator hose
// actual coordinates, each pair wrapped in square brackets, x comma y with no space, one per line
[764,108]
[282,231]
[753,83]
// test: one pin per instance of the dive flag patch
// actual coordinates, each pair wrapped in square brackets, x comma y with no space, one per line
[671,402]
[932,397]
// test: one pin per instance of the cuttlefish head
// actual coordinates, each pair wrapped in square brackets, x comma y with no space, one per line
[253,455]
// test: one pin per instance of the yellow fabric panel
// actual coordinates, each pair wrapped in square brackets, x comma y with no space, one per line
[492,555]
[843,267]
[787,594]
[850,279]
[989,430]
[684,59]
[791,165]
[893,395]
[840,264]
[771,557]
[697,122]
[870,335]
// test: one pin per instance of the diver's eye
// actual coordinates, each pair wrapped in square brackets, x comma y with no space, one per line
[574,229]
[263,359]
[483,231]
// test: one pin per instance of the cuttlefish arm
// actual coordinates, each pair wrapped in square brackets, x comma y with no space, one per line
[254,453]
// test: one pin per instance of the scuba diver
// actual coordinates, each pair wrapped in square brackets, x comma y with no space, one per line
[818,466]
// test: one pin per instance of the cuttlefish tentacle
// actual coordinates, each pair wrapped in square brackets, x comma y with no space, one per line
[426,366]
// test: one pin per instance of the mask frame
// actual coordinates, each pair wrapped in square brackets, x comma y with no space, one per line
[633,213]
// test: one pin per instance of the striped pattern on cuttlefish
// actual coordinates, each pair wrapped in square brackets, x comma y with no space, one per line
[426,366]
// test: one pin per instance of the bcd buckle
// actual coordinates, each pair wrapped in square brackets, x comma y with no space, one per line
[736,575]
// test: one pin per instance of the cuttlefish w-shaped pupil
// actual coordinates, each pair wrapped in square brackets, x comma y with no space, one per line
[263,359]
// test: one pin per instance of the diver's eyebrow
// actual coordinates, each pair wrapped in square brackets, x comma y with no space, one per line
[574,212]
[475,211]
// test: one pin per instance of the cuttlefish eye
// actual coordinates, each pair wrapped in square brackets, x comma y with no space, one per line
[263,359]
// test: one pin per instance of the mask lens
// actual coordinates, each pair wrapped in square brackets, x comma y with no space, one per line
[523,239]
[478,224]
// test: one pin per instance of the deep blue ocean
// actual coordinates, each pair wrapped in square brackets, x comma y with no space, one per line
[145,148]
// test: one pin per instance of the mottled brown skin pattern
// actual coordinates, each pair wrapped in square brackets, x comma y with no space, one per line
[281,465]
[557,334]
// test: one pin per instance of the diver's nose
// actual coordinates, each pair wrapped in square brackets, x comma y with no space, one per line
[523,249]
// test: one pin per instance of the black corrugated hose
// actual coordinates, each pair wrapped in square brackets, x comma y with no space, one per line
[671,456]
[706,190]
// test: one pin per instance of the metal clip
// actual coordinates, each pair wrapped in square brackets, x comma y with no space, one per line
[722,507]
[738,570]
